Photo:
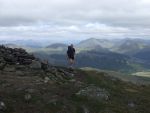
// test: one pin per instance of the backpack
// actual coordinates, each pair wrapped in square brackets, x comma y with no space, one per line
[70,50]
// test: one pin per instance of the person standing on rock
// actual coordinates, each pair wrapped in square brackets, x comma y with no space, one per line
[71,55]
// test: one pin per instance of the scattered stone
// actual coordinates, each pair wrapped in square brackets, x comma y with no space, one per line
[30,90]
[53,101]
[66,73]
[94,92]
[2,65]
[2,106]
[85,109]
[27,97]
[72,80]
[2,61]
[114,79]
[35,64]
[20,73]
[46,79]
[131,105]
[79,84]
[9,68]
[44,65]
[10,59]
[72,75]
[20,67]
[4,85]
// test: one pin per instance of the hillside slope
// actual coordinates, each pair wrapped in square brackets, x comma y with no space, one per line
[130,46]
[60,90]
[100,60]
[27,87]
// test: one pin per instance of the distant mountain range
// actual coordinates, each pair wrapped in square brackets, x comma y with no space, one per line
[25,43]
[117,54]
[12,45]
[93,43]
[130,46]
[57,45]
[143,54]
[101,60]
[125,46]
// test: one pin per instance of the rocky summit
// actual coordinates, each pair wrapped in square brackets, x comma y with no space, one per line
[29,85]
[14,56]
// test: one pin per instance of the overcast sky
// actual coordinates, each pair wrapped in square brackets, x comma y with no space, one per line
[74,19]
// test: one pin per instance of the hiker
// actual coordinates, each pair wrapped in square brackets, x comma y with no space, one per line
[70,55]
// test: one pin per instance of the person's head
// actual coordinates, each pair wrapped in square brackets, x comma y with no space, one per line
[72,45]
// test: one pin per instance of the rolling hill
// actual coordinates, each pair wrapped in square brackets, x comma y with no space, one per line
[143,54]
[100,60]
[57,45]
[93,43]
[130,46]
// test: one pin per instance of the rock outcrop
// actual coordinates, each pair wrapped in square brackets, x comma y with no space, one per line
[14,56]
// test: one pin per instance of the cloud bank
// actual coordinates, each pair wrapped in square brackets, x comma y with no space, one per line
[74,19]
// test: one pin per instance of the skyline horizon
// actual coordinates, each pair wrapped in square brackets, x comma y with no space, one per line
[67,42]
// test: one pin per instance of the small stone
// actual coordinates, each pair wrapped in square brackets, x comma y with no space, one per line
[79,84]
[53,101]
[2,106]
[27,97]
[72,75]
[30,90]
[72,80]
[131,105]
[85,109]
[46,79]
[35,65]
[19,73]
[9,69]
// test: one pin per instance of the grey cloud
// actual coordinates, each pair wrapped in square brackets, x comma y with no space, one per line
[67,18]
[107,11]
[16,21]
